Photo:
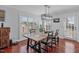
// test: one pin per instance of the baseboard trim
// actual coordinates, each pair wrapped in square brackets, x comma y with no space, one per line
[70,39]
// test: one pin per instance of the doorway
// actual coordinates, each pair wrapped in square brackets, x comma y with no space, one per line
[27,25]
[70,27]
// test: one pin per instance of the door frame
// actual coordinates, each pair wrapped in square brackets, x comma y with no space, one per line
[74,37]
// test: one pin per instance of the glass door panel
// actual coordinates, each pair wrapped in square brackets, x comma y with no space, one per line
[70,25]
[27,25]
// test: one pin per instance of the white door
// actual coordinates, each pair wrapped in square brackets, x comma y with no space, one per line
[70,28]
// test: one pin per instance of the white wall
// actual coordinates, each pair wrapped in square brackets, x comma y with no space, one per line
[11,20]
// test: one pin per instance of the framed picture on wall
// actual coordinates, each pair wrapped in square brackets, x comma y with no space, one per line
[2,15]
[56,20]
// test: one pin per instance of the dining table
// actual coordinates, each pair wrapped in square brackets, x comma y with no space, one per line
[37,38]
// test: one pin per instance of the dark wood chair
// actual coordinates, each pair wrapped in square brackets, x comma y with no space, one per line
[51,41]
[56,37]
[47,42]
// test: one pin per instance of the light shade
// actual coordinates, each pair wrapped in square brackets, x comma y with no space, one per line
[46,17]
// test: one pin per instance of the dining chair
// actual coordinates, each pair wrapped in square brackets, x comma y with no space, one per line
[47,42]
[56,37]
[51,41]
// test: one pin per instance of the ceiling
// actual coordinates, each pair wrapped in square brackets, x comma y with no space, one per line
[40,9]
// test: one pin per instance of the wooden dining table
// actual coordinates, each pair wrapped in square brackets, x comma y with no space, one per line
[37,37]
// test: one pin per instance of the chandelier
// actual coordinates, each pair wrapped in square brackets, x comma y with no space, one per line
[46,15]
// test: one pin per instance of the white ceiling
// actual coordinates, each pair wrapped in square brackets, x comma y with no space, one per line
[40,9]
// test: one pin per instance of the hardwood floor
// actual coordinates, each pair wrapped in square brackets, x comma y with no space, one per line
[65,46]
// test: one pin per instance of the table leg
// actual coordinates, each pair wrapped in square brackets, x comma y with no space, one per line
[35,46]
[39,47]
[28,45]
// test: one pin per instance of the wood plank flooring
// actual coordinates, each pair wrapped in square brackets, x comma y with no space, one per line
[65,46]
